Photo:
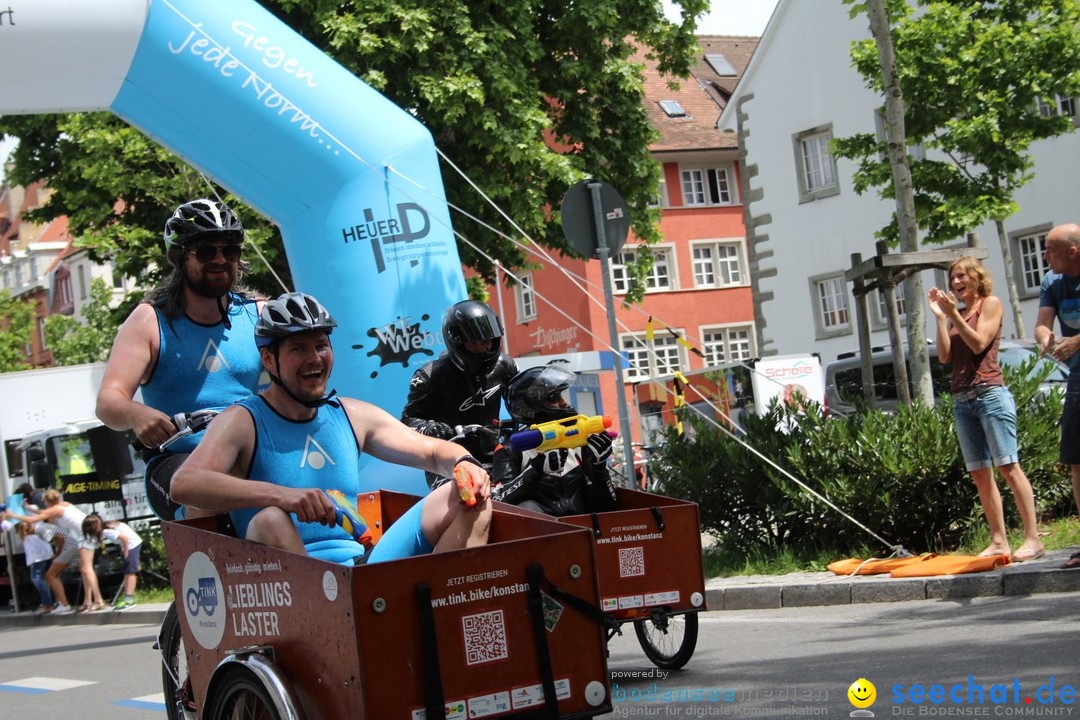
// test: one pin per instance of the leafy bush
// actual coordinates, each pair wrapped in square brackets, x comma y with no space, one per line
[900,475]
[155,566]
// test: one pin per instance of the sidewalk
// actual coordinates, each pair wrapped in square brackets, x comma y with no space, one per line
[151,614]
[805,589]
[753,592]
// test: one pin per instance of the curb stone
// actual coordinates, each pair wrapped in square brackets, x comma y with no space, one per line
[808,589]
[755,592]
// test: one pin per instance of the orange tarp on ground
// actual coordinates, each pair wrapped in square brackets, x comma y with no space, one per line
[921,566]
[953,565]
[875,567]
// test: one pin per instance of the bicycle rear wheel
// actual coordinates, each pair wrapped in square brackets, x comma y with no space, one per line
[241,696]
[668,640]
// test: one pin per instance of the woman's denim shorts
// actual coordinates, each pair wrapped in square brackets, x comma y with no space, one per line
[986,428]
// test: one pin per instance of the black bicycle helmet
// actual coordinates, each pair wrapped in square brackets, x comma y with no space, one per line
[289,314]
[472,321]
[199,218]
[532,396]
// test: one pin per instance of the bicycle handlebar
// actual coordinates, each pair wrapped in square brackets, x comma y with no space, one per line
[188,424]
[463,431]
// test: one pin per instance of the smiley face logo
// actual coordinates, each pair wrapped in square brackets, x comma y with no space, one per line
[862,693]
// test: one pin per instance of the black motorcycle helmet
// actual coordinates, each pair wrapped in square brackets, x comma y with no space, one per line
[472,321]
[540,394]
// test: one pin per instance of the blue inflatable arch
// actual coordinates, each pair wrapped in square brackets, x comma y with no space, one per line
[245,99]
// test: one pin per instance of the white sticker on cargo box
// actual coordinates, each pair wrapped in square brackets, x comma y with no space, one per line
[662,598]
[454,710]
[610,604]
[485,705]
[631,601]
[532,695]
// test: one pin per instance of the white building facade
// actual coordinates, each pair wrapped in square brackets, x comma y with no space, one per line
[804,218]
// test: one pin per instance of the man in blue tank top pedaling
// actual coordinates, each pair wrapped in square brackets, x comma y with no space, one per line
[271,457]
[189,345]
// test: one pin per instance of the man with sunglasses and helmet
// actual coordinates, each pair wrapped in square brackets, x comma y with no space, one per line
[189,345]
[563,481]
[269,459]
[463,386]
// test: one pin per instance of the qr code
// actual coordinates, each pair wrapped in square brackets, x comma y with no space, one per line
[631,562]
[485,637]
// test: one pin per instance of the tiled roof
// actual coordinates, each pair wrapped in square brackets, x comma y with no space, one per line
[702,96]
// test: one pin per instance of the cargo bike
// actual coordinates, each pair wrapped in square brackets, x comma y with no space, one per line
[649,566]
[510,629]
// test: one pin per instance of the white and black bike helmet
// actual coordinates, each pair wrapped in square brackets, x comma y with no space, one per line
[289,314]
[199,219]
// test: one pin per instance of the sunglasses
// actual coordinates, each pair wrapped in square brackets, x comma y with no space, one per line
[206,253]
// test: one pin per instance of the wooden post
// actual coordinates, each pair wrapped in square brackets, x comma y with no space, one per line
[862,321]
[903,391]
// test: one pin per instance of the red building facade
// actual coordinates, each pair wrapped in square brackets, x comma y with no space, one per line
[697,311]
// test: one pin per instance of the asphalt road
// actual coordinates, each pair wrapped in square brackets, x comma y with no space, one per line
[796,662]
[800,662]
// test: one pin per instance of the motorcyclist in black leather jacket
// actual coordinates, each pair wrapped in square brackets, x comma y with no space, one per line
[565,481]
[463,386]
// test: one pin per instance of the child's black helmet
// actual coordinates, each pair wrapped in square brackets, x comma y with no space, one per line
[534,395]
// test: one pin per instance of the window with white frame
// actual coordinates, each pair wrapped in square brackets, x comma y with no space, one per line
[830,302]
[707,186]
[1057,105]
[660,275]
[728,344]
[525,296]
[717,264]
[661,199]
[663,356]
[67,300]
[1030,266]
[815,165]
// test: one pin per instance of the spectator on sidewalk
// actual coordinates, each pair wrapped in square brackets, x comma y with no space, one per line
[969,323]
[1060,298]
[38,553]
[130,544]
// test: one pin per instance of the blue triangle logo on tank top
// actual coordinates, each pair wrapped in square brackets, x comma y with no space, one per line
[212,358]
[314,455]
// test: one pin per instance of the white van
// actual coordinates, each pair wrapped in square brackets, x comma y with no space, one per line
[844,387]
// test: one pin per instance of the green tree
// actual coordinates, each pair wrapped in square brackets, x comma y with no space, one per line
[117,186]
[17,322]
[981,83]
[496,83]
[75,341]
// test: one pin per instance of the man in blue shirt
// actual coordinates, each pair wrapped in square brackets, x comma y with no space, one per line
[271,457]
[188,346]
[1060,298]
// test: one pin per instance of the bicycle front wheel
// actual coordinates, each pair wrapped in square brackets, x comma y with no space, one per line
[174,671]
[668,640]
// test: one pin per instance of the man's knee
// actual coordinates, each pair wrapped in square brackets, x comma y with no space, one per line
[477,519]
[272,526]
